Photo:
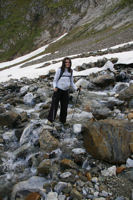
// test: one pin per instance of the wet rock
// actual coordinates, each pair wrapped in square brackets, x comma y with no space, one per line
[22,150]
[109,172]
[9,118]
[81,116]
[65,175]
[129,163]
[34,183]
[78,151]
[12,86]
[103,80]
[26,135]
[66,164]
[76,195]
[120,198]
[47,141]
[61,197]
[77,128]
[24,89]
[120,86]
[2,109]
[94,179]
[129,174]
[52,196]
[102,113]
[29,99]
[131,147]
[24,117]
[120,169]
[88,175]
[82,82]
[122,77]
[62,186]
[33,196]
[44,167]
[130,116]
[101,140]
[44,113]
[126,94]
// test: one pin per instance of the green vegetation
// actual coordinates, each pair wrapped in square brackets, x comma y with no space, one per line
[67,5]
[124,3]
[18,33]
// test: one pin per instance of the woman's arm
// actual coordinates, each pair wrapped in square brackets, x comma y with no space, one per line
[56,77]
[72,83]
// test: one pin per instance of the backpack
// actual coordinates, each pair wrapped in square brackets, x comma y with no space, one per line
[61,73]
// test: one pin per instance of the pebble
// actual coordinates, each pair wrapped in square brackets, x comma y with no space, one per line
[96,194]
[129,163]
[61,197]
[78,151]
[77,128]
[65,175]
[94,179]
[111,171]
[104,194]
[52,196]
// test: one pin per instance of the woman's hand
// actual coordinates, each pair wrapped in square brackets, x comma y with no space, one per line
[79,88]
[55,89]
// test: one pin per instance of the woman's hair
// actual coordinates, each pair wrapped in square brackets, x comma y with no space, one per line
[64,66]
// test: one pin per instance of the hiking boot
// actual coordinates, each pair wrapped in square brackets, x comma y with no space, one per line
[49,123]
[66,124]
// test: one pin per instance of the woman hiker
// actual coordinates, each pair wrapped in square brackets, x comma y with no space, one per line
[62,81]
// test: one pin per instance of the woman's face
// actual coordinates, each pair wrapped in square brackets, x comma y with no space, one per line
[67,63]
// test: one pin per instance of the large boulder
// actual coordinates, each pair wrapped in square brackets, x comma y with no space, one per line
[126,94]
[44,167]
[35,183]
[9,119]
[104,80]
[47,142]
[84,83]
[109,140]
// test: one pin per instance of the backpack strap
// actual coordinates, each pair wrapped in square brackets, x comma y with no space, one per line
[61,73]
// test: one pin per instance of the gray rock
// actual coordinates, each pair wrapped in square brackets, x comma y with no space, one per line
[9,118]
[47,142]
[44,167]
[103,80]
[24,89]
[101,140]
[52,196]
[129,163]
[77,128]
[82,82]
[29,99]
[34,184]
[120,86]
[60,187]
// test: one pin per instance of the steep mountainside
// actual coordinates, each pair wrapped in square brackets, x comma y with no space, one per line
[27,25]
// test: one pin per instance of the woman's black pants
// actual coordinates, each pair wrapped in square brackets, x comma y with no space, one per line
[62,97]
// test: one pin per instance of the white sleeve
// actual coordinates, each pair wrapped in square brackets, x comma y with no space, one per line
[72,83]
[56,77]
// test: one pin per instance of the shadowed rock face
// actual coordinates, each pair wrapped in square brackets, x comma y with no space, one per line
[127,94]
[31,24]
[109,140]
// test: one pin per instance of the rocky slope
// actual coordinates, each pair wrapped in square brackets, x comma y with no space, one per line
[30,24]
[90,159]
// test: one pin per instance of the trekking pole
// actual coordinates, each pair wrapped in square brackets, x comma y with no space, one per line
[76,102]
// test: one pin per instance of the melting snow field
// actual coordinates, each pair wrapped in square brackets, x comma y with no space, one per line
[33,71]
